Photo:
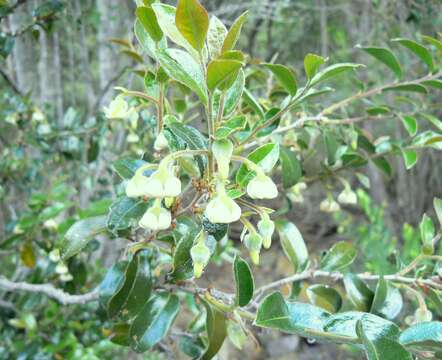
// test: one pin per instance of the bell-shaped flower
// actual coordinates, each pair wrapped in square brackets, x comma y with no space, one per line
[222,151]
[329,205]
[262,187]
[266,228]
[200,255]
[222,209]
[132,138]
[117,109]
[295,193]
[156,217]
[161,142]
[253,242]
[348,196]
[162,183]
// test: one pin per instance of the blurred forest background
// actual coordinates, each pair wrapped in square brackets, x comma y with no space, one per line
[58,70]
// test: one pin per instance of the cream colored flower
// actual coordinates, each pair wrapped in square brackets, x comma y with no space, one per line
[266,228]
[222,151]
[348,196]
[117,109]
[156,218]
[253,242]
[329,205]
[262,187]
[161,142]
[222,209]
[200,254]
[162,183]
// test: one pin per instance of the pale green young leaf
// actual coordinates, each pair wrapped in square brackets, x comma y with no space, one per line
[312,62]
[234,32]
[410,158]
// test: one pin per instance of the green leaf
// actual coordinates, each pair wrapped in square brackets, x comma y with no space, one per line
[125,212]
[120,334]
[433,120]
[383,164]
[244,281]
[112,282]
[410,158]
[154,321]
[234,33]
[438,209]
[340,256]
[344,325]
[216,327]
[418,49]
[236,334]
[427,232]
[233,95]
[428,138]
[358,292]
[127,167]
[407,87]
[285,76]
[425,336]
[182,137]
[293,244]
[387,301]
[436,43]
[325,297]
[147,43]
[79,235]
[227,128]
[377,347]
[215,36]
[6,45]
[266,157]
[220,72]
[185,234]
[253,103]
[291,167]
[385,56]
[192,20]
[410,124]
[180,66]
[312,63]
[148,19]
[435,298]
[275,312]
[166,15]
[332,71]
[437,84]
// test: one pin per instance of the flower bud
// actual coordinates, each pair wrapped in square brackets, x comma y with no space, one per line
[266,227]
[161,142]
[156,218]
[118,109]
[329,205]
[222,151]
[347,196]
[200,254]
[262,187]
[132,138]
[61,268]
[422,315]
[222,209]
[50,224]
[253,242]
[54,255]
[162,183]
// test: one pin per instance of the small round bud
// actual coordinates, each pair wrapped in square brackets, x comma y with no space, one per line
[161,142]
[117,109]
[156,218]
[262,187]
[329,205]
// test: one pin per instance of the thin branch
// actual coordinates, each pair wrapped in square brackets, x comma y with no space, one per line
[50,291]
[107,87]
[10,82]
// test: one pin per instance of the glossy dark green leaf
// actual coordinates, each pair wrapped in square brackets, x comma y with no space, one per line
[192,20]
[383,164]
[125,212]
[387,301]
[333,71]
[180,66]
[293,244]
[266,157]
[192,347]
[216,327]
[226,128]
[312,62]
[154,321]
[220,72]
[425,336]
[291,168]
[410,124]
[435,298]
[275,312]
[148,19]
[80,233]
[119,334]
[378,110]
[407,87]
[244,281]
[431,40]
[112,282]
[234,32]
[285,76]
[6,45]
[126,167]
[358,292]
[344,325]
[377,347]
[410,158]
[340,256]
[437,84]
[325,297]
[418,49]
[386,56]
